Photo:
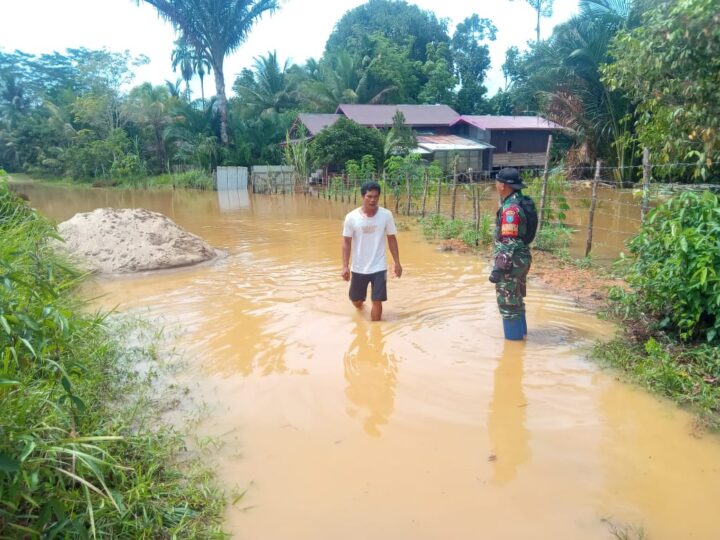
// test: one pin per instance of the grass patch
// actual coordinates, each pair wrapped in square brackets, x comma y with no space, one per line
[439,227]
[193,179]
[81,451]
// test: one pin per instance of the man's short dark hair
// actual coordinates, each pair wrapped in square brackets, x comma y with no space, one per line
[370,185]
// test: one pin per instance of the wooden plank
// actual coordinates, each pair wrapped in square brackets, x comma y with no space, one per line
[535,159]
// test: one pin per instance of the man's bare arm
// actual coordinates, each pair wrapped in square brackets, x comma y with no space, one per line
[347,244]
[395,252]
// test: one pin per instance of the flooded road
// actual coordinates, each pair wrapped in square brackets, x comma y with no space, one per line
[427,425]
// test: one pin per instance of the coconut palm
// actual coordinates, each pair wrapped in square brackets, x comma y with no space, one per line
[182,56]
[344,79]
[566,77]
[215,28]
[202,66]
[270,89]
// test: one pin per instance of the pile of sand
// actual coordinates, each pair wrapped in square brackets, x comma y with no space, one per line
[108,240]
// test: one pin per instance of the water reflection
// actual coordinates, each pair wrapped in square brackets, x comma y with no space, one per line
[233,199]
[506,421]
[371,375]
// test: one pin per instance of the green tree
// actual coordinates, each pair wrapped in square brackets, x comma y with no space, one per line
[472,60]
[343,78]
[401,23]
[149,107]
[392,73]
[670,67]
[563,73]
[400,139]
[214,28]
[182,57]
[269,88]
[441,82]
[345,140]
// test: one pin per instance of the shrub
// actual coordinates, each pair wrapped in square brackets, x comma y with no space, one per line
[673,270]
[194,179]
[78,455]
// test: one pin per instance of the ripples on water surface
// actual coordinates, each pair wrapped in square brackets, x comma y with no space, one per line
[425,426]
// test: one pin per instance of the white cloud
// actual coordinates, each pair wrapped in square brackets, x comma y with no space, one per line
[297,31]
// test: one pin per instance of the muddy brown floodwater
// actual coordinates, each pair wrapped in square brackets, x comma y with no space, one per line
[427,425]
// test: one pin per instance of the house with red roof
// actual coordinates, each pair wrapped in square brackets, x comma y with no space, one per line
[482,143]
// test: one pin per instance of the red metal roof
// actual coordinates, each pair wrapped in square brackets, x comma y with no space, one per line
[315,123]
[415,115]
[508,122]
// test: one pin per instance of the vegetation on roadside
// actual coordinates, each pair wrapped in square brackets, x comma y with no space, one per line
[439,227]
[671,312]
[81,451]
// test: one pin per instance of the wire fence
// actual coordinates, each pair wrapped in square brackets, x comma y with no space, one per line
[597,215]
[590,211]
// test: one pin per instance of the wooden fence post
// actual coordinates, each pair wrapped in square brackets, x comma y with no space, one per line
[546,173]
[476,205]
[454,191]
[646,185]
[437,197]
[409,194]
[593,203]
[426,179]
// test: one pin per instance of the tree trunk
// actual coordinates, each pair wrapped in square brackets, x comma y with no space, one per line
[222,101]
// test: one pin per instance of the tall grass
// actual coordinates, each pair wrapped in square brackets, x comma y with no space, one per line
[78,458]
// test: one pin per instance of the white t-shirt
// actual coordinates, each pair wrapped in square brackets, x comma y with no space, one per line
[368,239]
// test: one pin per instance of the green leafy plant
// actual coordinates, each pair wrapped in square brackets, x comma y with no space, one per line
[673,268]
[193,179]
[81,454]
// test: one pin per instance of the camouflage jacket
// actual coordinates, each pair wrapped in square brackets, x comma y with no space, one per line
[510,226]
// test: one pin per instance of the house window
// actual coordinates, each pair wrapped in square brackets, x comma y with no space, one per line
[508,146]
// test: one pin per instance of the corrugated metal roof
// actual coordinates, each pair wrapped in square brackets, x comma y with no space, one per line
[509,122]
[415,115]
[435,143]
[315,123]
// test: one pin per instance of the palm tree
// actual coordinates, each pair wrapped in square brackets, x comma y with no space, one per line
[183,57]
[149,107]
[215,28]
[270,89]
[344,79]
[202,66]
[566,76]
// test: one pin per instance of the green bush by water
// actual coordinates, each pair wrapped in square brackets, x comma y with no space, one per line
[673,269]
[439,227]
[78,457]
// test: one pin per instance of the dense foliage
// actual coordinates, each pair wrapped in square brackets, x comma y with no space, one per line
[214,28]
[344,141]
[674,266]
[619,75]
[78,458]
[670,67]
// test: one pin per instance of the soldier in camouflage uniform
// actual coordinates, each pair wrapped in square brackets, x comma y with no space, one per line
[512,253]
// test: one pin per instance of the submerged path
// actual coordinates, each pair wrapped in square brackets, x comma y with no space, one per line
[427,425]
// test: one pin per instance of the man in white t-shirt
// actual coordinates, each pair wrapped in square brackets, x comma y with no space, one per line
[364,234]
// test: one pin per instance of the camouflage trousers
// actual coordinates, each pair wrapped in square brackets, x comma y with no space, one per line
[512,288]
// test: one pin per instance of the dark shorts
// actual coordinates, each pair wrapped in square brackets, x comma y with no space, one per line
[359,285]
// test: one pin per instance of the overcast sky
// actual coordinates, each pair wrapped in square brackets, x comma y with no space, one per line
[297,31]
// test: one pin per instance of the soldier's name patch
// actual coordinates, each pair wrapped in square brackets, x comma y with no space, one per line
[509,229]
